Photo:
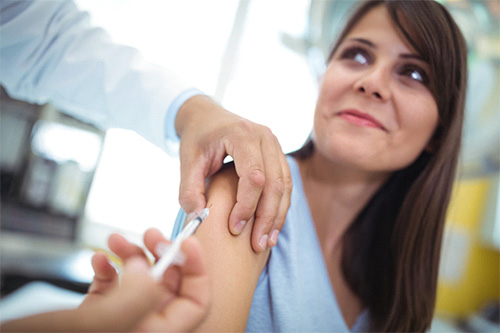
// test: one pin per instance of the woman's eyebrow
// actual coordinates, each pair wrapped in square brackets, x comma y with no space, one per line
[402,55]
[363,41]
[413,56]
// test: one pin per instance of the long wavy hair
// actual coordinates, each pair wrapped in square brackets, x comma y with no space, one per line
[391,251]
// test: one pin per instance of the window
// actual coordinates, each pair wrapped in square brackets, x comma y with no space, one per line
[231,50]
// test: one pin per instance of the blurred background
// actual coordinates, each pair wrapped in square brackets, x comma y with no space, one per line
[66,185]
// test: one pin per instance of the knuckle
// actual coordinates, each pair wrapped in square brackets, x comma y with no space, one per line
[245,126]
[245,210]
[186,197]
[267,221]
[257,178]
[250,129]
[183,197]
[268,133]
[267,217]
[278,186]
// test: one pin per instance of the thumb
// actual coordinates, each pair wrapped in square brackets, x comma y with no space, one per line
[192,185]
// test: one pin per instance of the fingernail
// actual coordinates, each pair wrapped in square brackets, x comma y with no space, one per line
[263,241]
[238,228]
[274,236]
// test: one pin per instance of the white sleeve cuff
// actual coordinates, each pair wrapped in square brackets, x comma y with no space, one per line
[171,137]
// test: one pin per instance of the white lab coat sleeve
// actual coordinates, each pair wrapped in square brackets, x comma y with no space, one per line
[49,52]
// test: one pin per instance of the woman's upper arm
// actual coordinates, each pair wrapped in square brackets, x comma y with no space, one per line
[233,266]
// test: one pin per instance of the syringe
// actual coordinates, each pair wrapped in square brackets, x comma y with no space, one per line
[173,251]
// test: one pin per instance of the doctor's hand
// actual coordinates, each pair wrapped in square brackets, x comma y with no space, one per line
[179,303]
[208,134]
[111,308]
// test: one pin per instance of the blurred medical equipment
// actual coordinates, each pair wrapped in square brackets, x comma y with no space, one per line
[47,163]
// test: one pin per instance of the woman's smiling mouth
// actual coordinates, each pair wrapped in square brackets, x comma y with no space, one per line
[360,118]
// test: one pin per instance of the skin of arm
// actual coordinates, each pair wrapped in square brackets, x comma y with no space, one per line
[234,268]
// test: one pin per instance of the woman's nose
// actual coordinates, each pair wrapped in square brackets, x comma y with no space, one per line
[374,82]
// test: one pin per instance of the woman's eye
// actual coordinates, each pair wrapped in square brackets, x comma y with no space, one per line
[360,58]
[356,54]
[416,74]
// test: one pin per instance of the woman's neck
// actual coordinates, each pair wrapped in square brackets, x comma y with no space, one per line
[336,194]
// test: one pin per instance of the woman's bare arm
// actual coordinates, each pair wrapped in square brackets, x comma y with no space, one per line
[233,266]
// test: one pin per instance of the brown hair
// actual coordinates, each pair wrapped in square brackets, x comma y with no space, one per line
[392,249]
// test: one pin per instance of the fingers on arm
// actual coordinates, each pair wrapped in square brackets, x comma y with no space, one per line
[260,185]
[243,144]
[192,183]
[265,225]
[250,186]
[269,197]
[284,203]
[261,167]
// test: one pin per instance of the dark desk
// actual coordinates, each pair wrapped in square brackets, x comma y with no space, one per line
[29,258]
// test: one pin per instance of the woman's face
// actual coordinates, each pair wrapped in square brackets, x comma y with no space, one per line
[375,111]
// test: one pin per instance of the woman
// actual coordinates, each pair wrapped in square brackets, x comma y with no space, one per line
[361,245]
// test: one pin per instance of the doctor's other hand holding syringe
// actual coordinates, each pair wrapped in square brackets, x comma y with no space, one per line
[135,300]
